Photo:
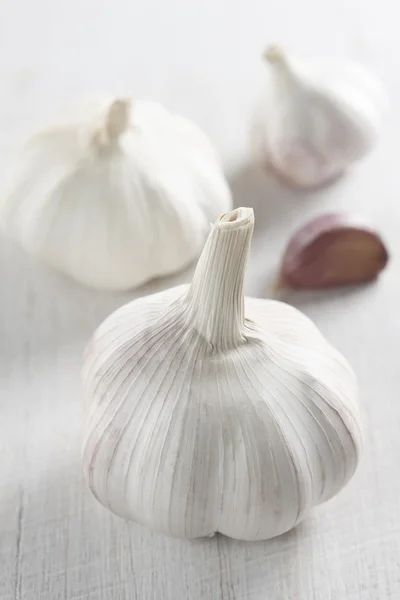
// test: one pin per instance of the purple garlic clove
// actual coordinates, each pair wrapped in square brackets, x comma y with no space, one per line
[332,250]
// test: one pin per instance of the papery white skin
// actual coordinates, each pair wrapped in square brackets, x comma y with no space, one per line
[312,125]
[115,197]
[202,420]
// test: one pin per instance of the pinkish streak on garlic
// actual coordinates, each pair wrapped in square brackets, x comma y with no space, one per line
[332,250]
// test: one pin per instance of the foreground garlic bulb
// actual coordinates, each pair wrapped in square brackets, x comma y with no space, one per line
[312,126]
[206,413]
[115,197]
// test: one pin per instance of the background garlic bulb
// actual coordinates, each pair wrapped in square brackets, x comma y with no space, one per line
[201,419]
[114,199]
[311,126]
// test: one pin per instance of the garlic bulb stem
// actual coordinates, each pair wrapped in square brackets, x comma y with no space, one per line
[118,117]
[281,68]
[116,122]
[215,299]
[274,54]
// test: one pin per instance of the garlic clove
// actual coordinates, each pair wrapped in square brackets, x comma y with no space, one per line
[210,412]
[332,250]
[115,195]
[312,126]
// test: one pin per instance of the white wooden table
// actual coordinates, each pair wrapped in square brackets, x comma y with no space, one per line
[201,58]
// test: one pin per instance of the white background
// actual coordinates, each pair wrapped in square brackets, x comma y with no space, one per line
[202,59]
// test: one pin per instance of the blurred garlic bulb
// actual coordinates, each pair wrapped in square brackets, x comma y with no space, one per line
[209,413]
[115,197]
[312,125]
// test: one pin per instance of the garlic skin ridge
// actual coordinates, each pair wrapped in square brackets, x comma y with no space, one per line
[206,412]
[311,126]
[115,195]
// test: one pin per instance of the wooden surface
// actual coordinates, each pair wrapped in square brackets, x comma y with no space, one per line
[201,58]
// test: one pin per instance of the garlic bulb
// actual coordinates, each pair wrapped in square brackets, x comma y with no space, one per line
[311,126]
[114,199]
[206,413]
